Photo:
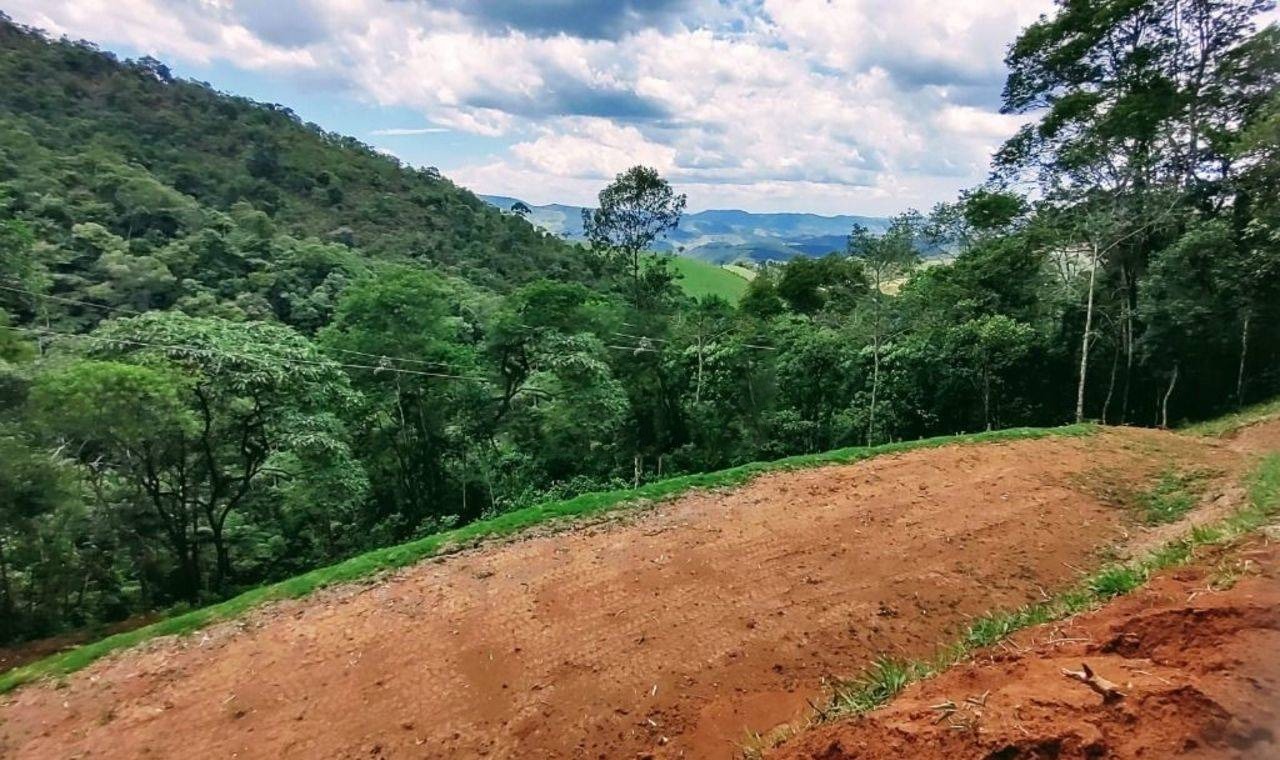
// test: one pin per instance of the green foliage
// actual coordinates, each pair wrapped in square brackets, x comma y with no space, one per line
[205,152]
[199,416]
[809,285]
[635,209]
[105,403]
[40,513]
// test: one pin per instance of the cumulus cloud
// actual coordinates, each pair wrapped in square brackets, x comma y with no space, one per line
[407,131]
[591,19]
[798,104]
[189,30]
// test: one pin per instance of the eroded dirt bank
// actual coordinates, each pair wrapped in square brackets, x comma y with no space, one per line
[669,633]
[1196,655]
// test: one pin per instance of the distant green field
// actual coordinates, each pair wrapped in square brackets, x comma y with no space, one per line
[698,279]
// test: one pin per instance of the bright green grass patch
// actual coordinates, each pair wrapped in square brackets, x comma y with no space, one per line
[1233,422]
[878,684]
[699,278]
[1172,496]
[885,678]
[367,564]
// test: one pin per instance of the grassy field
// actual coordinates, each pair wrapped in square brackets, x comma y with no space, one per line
[698,279]
[371,563]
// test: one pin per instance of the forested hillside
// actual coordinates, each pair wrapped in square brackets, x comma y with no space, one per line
[240,347]
[125,145]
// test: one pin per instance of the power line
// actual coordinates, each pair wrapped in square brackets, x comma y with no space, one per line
[231,354]
[71,300]
[135,313]
[377,368]
[663,340]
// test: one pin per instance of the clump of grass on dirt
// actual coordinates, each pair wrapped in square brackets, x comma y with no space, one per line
[1172,496]
[589,504]
[877,684]
[885,678]
[1116,580]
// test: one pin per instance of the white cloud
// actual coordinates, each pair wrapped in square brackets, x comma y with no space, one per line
[408,131]
[826,105]
[198,32]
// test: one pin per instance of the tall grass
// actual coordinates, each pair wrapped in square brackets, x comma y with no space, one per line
[389,558]
[1221,426]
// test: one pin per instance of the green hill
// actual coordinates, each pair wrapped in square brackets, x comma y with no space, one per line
[95,135]
[698,279]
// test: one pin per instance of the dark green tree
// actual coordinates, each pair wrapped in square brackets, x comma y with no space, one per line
[635,209]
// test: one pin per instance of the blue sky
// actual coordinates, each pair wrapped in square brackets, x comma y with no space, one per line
[830,106]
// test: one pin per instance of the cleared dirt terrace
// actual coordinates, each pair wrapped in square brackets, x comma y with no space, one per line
[1194,653]
[670,632]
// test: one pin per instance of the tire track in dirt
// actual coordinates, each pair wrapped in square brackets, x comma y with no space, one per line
[668,633]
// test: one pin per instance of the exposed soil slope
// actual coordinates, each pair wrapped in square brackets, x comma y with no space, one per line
[674,631]
[1196,654]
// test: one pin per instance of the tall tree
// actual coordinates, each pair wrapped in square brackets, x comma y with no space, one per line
[196,413]
[885,259]
[635,209]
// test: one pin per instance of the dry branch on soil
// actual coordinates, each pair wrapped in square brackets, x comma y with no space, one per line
[1110,692]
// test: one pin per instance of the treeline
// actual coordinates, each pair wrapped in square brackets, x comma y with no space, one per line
[217,372]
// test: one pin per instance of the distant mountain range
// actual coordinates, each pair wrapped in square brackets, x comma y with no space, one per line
[722,236]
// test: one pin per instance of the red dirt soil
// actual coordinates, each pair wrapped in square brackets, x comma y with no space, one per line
[666,632]
[1199,667]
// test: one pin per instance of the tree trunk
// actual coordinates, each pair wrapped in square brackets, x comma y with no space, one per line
[1087,340]
[697,392]
[1130,342]
[1164,404]
[1244,353]
[222,571]
[635,278]
[875,388]
[986,400]
[195,571]
[9,624]
[1111,384]
[191,572]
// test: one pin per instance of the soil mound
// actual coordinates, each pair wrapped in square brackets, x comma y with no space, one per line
[1194,655]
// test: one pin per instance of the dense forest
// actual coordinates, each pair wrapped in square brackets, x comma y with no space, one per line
[234,346]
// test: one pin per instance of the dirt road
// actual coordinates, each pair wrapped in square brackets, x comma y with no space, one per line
[672,632]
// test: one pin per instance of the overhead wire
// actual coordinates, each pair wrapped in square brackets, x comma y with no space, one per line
[385,366]
[231,354]
[131,312]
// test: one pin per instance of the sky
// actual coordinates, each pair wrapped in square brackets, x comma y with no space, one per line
[826,106]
